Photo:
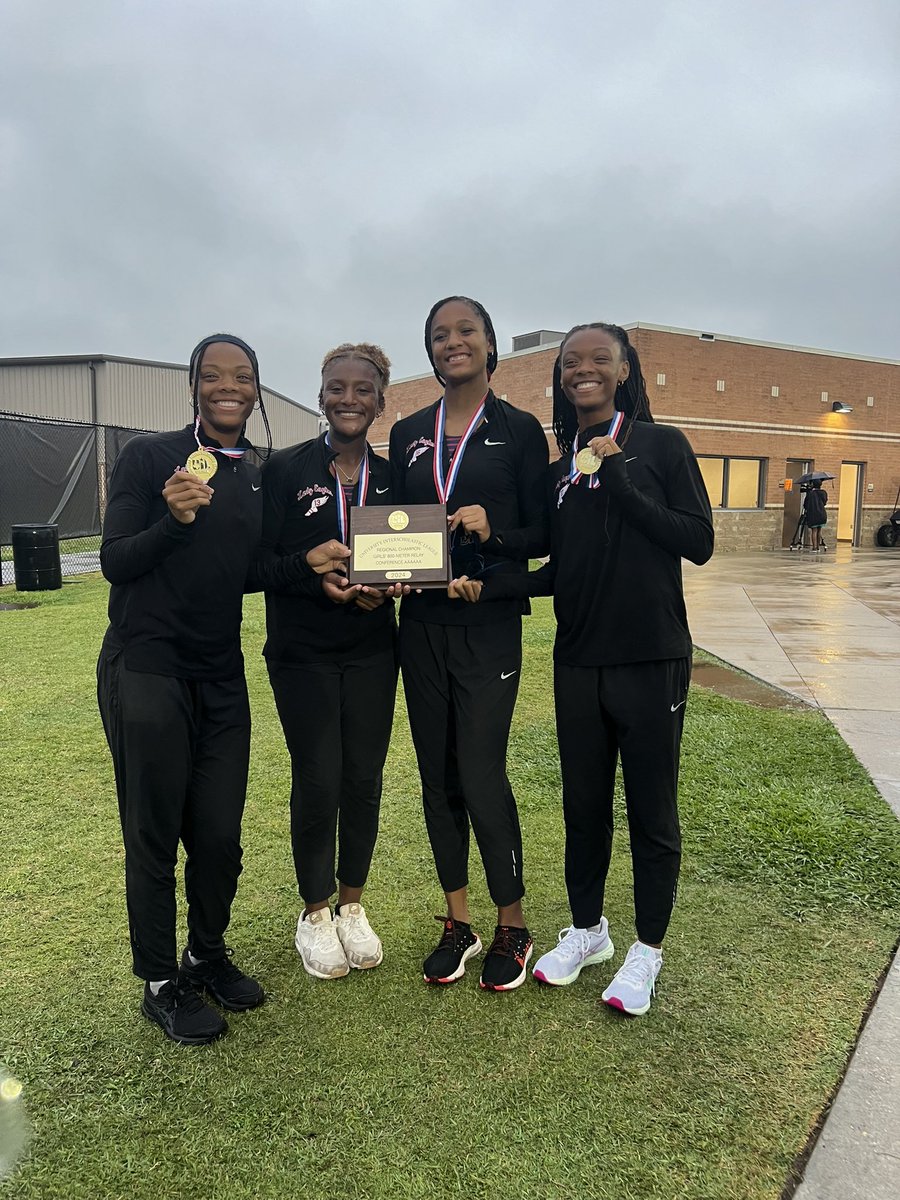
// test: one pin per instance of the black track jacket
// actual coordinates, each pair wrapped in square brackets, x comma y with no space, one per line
[177,590]
[300,512]
[615,552]
[502,470]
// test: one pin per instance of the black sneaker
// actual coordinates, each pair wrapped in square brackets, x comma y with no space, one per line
[448,961]
[182,1015]
[225,983]
[506,962]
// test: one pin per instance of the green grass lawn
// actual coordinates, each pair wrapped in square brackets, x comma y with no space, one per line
[378,1087]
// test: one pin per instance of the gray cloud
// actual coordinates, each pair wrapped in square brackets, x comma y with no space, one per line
[304,174]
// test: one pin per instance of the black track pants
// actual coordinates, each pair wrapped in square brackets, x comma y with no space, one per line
[461,684]
[636,711]
[181,751]
[337,721]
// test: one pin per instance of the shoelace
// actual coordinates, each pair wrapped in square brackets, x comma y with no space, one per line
[186,997]
[506,941]
[573,942]
[359,929]
[637,969]
[452,933]
[324,935]
[224,968]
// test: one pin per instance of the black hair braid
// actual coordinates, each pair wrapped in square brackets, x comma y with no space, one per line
[196,362]
[631,396]
[480,311]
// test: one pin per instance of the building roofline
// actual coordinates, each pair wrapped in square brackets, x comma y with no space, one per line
[730,337]
[707,335]
[62,360]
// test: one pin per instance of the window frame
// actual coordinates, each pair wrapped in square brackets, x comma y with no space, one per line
[726,460]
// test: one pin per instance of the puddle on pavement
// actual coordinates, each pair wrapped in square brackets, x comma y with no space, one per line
[741,687]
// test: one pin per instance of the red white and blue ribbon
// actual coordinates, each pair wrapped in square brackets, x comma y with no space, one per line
[234,452]
[343,513]
[576,476]
[445,485]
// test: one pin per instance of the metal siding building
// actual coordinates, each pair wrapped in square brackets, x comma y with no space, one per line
[131,393]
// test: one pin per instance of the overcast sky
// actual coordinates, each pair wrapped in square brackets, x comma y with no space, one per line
[308,172]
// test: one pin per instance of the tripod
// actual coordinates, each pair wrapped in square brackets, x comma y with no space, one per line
[797,539]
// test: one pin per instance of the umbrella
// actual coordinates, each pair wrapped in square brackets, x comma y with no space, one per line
[812,476]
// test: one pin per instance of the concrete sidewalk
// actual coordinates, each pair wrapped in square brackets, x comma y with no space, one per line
[826,627]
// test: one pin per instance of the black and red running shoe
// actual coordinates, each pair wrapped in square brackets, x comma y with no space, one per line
[447,962]
[506,962]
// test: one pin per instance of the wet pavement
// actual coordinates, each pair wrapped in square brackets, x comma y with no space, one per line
[826,629]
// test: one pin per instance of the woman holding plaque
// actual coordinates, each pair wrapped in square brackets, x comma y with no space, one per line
[177,548]
[485,460]
[331,656]
[626,503]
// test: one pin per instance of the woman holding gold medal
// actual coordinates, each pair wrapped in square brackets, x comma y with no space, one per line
[180,536]
[332,661]
[626,502]
[485,460]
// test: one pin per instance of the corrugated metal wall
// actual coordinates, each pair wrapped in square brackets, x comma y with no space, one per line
[59,390]
[135,396]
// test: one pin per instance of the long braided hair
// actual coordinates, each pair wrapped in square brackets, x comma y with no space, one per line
[481,312]
[631,395]
[197,355]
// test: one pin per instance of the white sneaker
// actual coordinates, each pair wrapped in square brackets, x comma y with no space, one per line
[319,945]
[635,981]
[362,945]
[577,948]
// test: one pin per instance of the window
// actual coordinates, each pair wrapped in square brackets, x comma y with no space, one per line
[720,385]
[824,397]
[732,482]
[548,392]
[870,400]
[775,391]
[660,379]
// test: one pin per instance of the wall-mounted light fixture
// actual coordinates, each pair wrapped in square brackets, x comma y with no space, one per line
[841,407]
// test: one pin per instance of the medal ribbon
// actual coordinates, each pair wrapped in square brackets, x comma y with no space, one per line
[234,452]
[363,481]
[443,486]
[575,476]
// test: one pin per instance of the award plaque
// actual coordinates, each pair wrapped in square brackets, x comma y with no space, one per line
[400,543]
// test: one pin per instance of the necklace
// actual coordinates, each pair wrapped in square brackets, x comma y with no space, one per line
[348,479]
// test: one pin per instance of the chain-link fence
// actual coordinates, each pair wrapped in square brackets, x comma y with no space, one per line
[56,473]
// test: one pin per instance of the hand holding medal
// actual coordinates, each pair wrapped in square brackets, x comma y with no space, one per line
[598,449]
[185,493]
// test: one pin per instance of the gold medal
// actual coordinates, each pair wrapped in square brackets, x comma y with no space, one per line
[202,464]
[587,461]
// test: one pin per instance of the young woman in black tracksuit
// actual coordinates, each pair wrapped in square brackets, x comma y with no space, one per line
[626,502]
[485,460]
[177,549]
[331,656]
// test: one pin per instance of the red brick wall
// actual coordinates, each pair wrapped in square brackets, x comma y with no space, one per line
[745,419]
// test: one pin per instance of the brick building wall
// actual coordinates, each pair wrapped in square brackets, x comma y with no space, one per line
[744,420]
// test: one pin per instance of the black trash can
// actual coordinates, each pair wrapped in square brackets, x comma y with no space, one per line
[36,562]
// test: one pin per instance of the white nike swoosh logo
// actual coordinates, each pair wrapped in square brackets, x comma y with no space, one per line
[675,707]
[506,675]
[380,491]
[488,442]
[256,486]
[633,457]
